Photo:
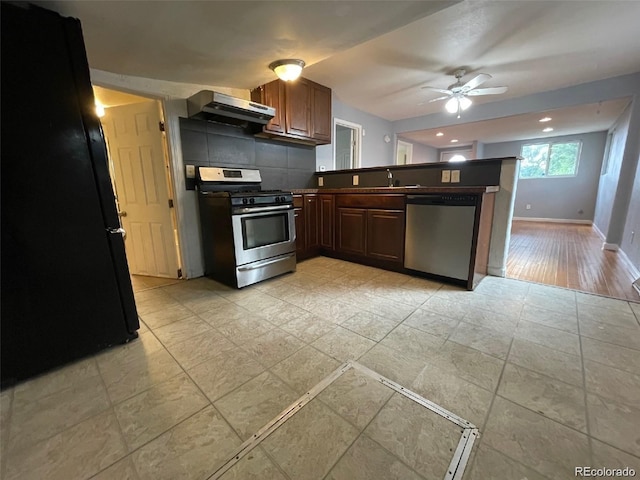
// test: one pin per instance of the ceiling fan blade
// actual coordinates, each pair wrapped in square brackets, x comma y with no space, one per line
[474,82]
[439,98]
[439,90]
[488,91]
[433,100]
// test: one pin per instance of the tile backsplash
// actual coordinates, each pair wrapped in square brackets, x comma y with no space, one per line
[282,165]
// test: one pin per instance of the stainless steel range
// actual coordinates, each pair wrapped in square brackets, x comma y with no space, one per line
[248,234]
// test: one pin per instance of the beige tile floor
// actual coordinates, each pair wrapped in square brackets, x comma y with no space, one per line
[550,376]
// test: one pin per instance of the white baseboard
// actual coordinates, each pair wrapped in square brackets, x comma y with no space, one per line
[635,273]
[597,230]
[612,247]
[554,220]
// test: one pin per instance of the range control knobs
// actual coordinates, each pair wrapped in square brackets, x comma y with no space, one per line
[245,201]
[252,200]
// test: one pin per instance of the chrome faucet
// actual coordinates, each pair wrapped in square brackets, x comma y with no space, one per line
[389,178]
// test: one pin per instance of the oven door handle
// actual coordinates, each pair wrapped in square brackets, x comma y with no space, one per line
[274,208]
[264,263]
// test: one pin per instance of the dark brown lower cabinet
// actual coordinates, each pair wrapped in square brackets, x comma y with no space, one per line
[301,246]
[326,218]
[311,221]
[351,230]
[385,234]
[306,218]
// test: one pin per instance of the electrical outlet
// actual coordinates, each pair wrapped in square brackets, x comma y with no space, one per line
[321,181]
[322,168]
[356,180]
[528,207]
[190,171]
[446,176]
[455,176]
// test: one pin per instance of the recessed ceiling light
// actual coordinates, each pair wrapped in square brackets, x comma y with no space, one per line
[439,134]
[548,129]
[454,140]
[545,119]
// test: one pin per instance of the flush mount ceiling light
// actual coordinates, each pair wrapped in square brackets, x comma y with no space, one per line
[439,134]
[548,129]
[455,140]
[545,119]
[288,69]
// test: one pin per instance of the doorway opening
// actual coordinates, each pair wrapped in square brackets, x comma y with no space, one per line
[346,146]
[133,127]
[404,152]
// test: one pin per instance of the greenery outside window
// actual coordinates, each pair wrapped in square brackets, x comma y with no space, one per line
[542,160]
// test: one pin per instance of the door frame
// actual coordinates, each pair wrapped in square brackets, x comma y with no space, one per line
[170,172]
[357,130]
[409,147]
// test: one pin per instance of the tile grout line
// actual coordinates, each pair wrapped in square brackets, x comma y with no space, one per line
[483,428]
[480,442]
[584,391]
[73,425]
[373,440]
[264,432]
[210,403]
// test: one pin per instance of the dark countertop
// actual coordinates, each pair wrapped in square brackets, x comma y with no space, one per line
[399,190]
[412,166]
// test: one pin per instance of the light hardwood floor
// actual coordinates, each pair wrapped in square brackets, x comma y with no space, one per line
[570,256]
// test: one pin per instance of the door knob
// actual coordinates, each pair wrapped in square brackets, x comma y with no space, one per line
[122,214]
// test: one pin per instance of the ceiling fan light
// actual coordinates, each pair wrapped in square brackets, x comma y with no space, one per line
[288,69]
[465,103]
[451,105]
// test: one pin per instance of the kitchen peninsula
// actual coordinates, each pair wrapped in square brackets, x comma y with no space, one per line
[353,216]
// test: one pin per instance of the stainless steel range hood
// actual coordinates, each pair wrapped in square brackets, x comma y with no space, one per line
[215,106]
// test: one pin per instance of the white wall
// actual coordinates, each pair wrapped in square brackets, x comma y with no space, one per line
[558,198]
[421,153]
[608,181]
[375,151]
[631,236]
[621,206]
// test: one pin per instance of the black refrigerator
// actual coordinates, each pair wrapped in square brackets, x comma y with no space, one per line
[66,290]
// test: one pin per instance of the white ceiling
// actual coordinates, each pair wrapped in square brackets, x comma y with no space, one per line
[594,117]
[375,55]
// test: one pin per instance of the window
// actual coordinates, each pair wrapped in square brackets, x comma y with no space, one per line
[455,155]
[550,160]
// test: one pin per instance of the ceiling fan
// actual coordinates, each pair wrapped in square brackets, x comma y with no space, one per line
[459,92]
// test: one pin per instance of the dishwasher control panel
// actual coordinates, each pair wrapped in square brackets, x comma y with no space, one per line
[442,199]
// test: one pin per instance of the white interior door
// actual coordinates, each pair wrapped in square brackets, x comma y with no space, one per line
[346,145]
[404,152]
[136,149]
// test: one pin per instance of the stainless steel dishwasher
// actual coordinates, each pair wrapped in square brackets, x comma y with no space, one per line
[439,234]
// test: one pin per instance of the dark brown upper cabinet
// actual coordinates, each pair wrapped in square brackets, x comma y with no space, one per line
[303,110]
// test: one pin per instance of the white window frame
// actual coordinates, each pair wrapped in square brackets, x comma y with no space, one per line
[550,144]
